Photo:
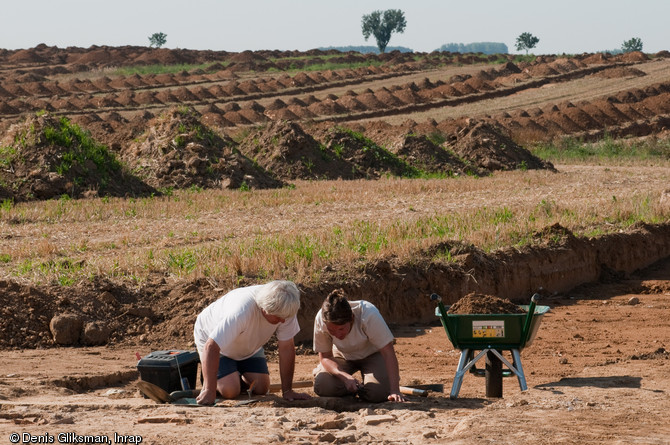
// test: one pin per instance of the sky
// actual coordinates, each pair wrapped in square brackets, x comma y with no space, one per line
[563,26]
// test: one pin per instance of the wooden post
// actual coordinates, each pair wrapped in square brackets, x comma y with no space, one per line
[494,376]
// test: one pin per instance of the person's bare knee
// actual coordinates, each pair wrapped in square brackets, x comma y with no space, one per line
[229,386]
[261,382]
[229,392]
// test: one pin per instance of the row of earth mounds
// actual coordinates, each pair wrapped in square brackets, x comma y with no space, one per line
[219,102]
[19,83]
[178,151]
[134,92]
[633,112]
[45,157]
[285,148]
[41,81]
[102,56]
[29,91]
[30,84]
[262,60]
[96,57]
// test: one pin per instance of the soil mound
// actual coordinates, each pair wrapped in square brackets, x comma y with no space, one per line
[540,70]
[247,57]
[48,157]
[484,304]
[425,155]
[96,57]
[633,56]
[564,65]
[555,235]
[598,58]
[487,147]
[163,56]
[620,72]
[351,104]
[368,160]
[507,69]
[179,151]
[286,150]
[26,56]
[370,101]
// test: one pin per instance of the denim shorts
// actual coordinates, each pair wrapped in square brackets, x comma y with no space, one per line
[257,363]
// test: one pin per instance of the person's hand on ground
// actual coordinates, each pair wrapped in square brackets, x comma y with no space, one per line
[206,397]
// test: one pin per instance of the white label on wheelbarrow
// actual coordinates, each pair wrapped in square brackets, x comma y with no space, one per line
[488,328]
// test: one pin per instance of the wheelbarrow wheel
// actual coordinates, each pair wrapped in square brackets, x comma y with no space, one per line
[494,375]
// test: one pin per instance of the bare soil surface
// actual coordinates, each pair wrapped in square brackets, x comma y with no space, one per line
[484,304]
[598,372]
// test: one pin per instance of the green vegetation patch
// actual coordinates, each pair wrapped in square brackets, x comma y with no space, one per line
[608,149]
[81,149]
[165,69]
[367,155]
[45,157]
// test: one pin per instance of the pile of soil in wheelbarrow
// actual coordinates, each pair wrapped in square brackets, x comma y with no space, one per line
[484,304]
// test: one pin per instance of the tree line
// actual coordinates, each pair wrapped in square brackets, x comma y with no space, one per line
[382,25]
[475,47]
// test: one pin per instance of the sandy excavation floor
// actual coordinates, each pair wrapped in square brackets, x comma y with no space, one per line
[598,372]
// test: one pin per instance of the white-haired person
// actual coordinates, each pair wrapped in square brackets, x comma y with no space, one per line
[351,337]
[230,334]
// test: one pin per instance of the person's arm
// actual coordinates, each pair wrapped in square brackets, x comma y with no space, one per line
[210,365]
[330,365]
[286,351]
[392,369]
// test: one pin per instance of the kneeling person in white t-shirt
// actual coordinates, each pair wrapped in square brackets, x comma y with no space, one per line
[350,337]
[230,334]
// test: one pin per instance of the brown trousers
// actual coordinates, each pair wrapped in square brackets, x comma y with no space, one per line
[373,370]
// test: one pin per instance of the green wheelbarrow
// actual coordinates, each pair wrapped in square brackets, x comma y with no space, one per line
[491,334]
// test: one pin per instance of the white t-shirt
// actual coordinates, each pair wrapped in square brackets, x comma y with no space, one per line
[236,323]
[369,333]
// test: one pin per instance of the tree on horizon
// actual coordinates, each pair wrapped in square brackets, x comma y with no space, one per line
[634,44]
[526,41]
[157,39]
[382,24]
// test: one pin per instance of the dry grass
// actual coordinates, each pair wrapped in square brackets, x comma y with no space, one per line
[295,233]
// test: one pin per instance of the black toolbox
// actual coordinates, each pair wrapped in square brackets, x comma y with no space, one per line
[168,369]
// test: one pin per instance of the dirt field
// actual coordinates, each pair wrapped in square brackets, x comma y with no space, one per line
[598,370]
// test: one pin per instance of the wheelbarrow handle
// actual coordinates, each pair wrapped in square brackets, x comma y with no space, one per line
[443,316]
[529,318]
